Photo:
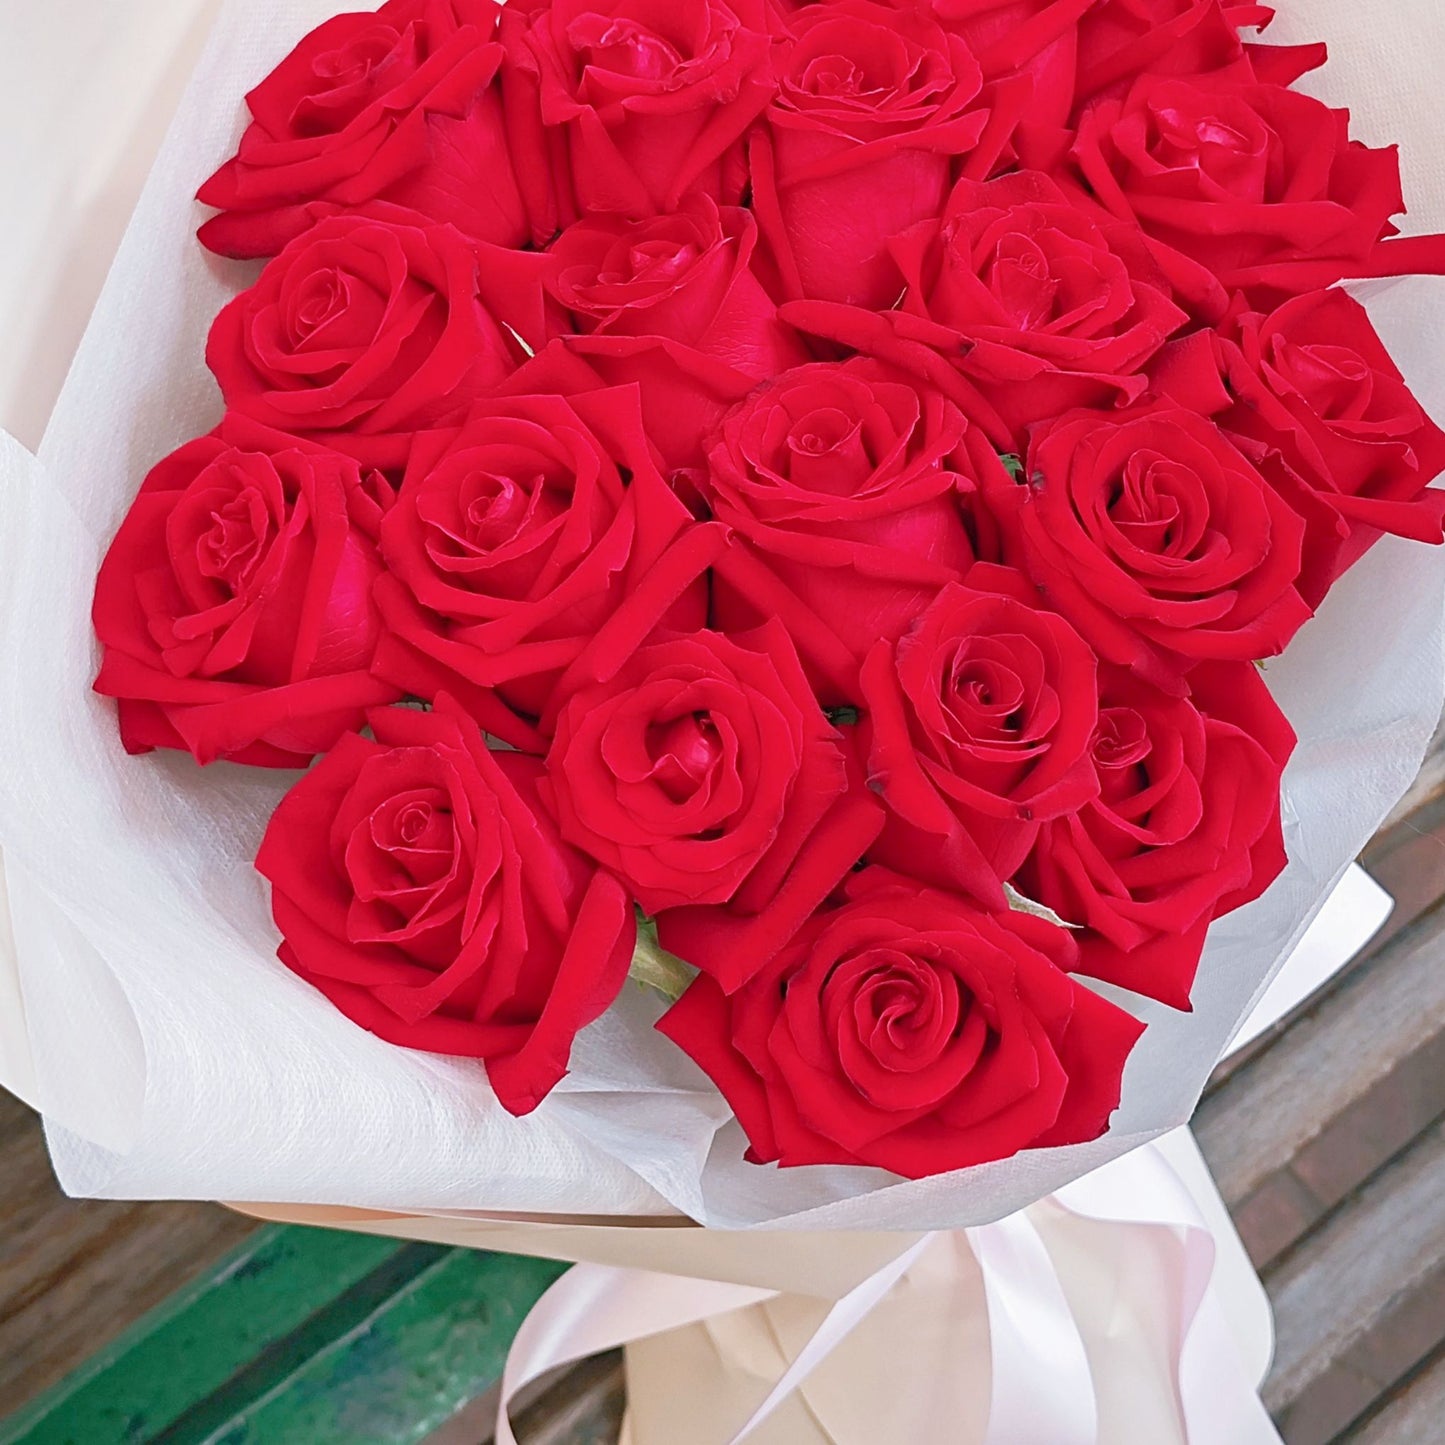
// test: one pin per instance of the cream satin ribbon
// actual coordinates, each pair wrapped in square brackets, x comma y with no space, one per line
[1042,1388]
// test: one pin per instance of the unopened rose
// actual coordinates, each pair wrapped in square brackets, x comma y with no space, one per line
[1240,185]
[699,770]
[513,538]
[850,491]
[1158,539]
[234,606]
[364,325]
[1186,826]
[1017,302]
[398,105]
[979,723]
[419,884]
[875,105]
[627,106]
[911,1031]
[1314,383]
[673,304]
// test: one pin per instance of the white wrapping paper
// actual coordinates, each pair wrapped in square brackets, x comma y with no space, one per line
[174,1057]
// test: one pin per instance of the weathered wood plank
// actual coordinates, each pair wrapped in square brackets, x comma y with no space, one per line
[1346,1088]
[1407,859]
[201,1337]
[75,1273]
[1414,1415]
[399,1373]
[1361,1301]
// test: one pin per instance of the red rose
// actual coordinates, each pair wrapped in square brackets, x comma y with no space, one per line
[698,770]
[513,538]
[1314,382]
[672,304]
[874,106]
[1245,186]
[364,325]
[1036,305]
[395,106]
[910,1031]
[630,105]
[419,884]
[1158,540]
[845,485]
[234,606]
[979,723]
[1185,829]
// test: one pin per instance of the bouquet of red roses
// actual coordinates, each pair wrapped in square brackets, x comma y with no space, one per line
[809,504]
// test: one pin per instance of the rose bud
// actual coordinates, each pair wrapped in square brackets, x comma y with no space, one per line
[1314,382]
[419,884]
[874,106]
[671,303]
[979,725]
[1018,298]
[513,538]
[698,770]
[849,489]
[366,325]
[1241,186]
[616,105]
[911,1031]
[1185,829]
[1158,539]
[397,105]
[234,606]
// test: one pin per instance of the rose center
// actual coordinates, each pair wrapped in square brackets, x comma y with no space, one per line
[320,298]
[659,260]
[231,547]
[1148,504]
[494,507]
[624,47]
[351,64]
[827,452]
[684,751]
[1022,281]
[833,76]
[986,698]
[1335,381]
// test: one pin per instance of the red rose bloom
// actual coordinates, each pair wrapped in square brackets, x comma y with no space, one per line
[979,723]
[1158,540]
[698,770]
[418,883]
[1186,826]
[1313,382]
[672,304]
[874,105]
[365,325]
[1037,306]
[1245,186]
[845,485]
[394,106]
[513,538]
[910,1031]
[630,105]
[233,607]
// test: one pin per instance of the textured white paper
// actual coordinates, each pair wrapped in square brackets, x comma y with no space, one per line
[174,1057]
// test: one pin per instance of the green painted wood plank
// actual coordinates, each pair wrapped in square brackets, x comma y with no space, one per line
[400,1373]
[199,1339]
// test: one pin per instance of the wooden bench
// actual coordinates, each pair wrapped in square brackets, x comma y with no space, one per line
[126,1323]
